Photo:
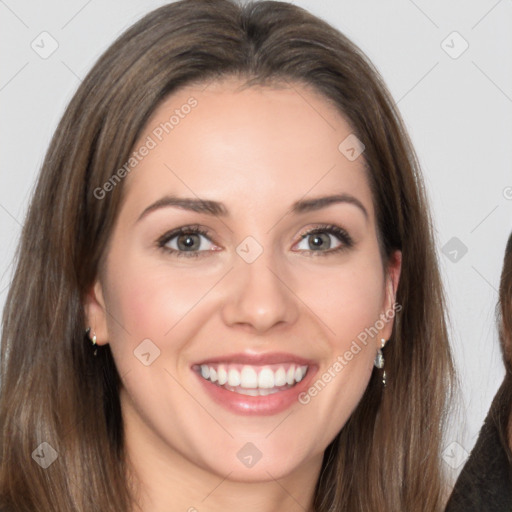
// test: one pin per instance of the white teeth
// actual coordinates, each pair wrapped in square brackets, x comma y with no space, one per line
[253,392]
[250,392]
[248,377]
[222,374]
[205,371]
[254,380]
[233,378]
[266,379]
[280,377]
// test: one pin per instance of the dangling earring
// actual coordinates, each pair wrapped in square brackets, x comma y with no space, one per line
[379,360]
[93,339]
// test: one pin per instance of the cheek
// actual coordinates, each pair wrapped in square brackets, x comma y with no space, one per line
[347,300]
[349,305]
[149,298]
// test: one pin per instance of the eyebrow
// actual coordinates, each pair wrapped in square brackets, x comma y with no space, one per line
[219,210]
[308,205]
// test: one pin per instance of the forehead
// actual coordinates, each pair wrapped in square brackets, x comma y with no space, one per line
[254,147]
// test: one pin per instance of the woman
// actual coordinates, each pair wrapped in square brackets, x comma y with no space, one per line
[228,228]
[485,483]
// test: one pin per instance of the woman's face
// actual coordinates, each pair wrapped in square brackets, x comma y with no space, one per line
[270,289]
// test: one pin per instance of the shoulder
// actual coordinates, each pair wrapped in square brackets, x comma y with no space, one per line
[485,483]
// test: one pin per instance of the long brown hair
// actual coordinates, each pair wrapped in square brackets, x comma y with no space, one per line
[504,307]
[387,457]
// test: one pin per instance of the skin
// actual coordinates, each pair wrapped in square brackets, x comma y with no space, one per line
[257,150]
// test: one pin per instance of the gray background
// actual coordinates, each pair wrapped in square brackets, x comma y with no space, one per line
[457,106]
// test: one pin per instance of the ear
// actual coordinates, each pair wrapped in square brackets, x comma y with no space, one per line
[392,280]
[96,313]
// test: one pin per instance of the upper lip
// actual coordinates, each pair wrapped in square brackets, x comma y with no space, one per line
[258,359]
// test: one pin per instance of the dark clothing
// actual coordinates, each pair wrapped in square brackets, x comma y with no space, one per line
[485,483]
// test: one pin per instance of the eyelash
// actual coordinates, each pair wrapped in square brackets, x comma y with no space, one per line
[341,234]
[185,230]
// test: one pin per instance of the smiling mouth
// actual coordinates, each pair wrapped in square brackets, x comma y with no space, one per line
[253,380]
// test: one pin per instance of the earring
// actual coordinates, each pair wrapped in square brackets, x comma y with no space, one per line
[379,360]
[93,339]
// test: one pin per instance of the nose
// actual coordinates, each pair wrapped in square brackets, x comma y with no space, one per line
[258,296]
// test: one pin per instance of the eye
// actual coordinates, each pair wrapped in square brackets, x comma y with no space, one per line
[193,241]
[325,239]
[186,241]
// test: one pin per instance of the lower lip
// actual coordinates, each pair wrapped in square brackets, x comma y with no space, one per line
[257,405]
